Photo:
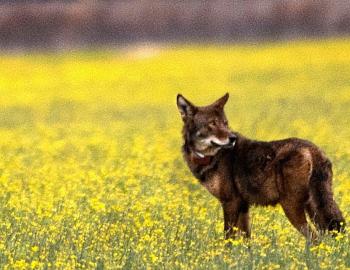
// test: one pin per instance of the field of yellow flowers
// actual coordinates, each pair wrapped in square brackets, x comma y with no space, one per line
[91,171]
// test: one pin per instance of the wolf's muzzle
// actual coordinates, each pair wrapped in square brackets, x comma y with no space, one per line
[231,142]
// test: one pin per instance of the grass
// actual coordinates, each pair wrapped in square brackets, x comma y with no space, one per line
[91,172]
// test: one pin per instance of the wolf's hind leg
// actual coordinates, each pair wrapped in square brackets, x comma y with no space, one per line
[296,171]
[314,217]
[295,212]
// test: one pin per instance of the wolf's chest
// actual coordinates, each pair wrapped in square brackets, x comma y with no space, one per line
[218,185]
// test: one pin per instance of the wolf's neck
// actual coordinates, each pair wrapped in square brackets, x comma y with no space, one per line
[200,166]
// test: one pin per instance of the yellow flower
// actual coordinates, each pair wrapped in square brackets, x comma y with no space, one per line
[35,248]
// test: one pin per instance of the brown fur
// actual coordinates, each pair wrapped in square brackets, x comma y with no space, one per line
[292,172]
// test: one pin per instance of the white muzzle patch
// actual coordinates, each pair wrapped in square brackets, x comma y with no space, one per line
[208,141]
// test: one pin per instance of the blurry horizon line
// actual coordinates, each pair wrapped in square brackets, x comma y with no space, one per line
[61,25]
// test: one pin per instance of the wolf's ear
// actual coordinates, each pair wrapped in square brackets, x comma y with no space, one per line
[220,103]
[185,107]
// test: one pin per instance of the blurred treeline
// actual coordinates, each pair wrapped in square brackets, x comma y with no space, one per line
[61,24]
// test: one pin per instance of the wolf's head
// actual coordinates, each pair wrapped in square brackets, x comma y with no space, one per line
[206,129]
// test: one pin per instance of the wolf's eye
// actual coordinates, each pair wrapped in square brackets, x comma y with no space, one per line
[199,134]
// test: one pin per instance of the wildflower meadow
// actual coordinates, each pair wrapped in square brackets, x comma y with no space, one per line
[91,169]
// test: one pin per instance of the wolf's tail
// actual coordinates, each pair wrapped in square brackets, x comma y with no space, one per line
[322,208]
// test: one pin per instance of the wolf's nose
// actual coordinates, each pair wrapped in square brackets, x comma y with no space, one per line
[232,138]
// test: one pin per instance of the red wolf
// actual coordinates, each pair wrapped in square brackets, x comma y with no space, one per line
[241,172]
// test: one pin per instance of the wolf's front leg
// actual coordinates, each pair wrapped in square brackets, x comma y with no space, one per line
[243,223]
[231,214]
